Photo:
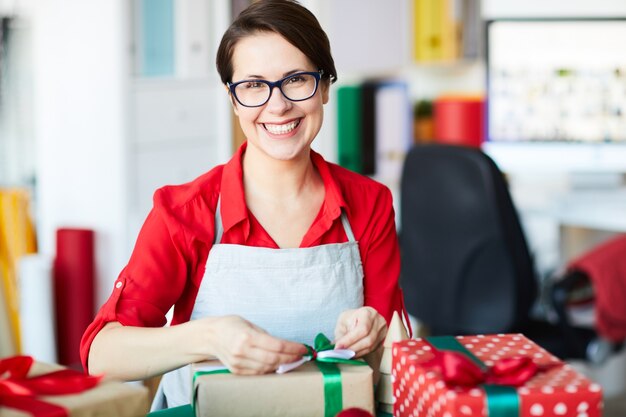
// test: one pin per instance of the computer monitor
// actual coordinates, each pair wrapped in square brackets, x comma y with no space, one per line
[556,94]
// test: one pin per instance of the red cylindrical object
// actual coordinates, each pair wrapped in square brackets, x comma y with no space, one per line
[354,412]
[74,282]
[459,120]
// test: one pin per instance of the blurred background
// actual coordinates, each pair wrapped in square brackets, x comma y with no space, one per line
[102,102]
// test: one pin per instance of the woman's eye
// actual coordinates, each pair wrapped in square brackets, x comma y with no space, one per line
[295,79]
[253,84]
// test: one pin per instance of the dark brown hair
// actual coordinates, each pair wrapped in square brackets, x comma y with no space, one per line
[287,18]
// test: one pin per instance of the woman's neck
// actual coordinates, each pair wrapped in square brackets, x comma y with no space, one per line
[278,181]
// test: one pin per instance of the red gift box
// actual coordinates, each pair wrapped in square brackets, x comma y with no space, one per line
[420,389]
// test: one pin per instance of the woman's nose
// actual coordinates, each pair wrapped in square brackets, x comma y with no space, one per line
[278,103]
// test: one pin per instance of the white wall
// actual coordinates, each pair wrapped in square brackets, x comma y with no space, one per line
[553,8]
[80,78]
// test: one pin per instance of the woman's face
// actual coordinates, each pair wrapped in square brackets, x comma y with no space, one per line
[281,129]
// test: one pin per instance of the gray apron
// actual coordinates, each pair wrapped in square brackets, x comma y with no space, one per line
[291,293]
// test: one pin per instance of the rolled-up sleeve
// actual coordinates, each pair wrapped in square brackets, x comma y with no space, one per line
[150,284]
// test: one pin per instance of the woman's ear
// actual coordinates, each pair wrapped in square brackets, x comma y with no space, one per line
[325,85]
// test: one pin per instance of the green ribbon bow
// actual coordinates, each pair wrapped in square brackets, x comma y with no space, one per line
[326,363]
[502,401]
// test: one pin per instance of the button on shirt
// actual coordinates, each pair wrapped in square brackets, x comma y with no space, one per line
[167,263]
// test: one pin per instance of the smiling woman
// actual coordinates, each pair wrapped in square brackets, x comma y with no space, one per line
[258,255]
[268,55]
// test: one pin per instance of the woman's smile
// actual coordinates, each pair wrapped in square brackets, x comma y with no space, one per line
[285,129]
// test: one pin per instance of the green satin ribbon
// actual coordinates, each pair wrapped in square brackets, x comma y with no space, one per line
[193,384]
[502,401]
[333,394]
[331,375]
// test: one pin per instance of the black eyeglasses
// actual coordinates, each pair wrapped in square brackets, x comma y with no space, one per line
[295,87]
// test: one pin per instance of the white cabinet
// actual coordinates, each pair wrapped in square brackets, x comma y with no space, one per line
[177,133]
[167,110]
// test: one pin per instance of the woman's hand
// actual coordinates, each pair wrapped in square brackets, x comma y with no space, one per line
[247,349]
[361,330]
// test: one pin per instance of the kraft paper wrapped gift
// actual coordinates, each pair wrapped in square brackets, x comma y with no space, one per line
[424,386]
[299,392]
[107,398]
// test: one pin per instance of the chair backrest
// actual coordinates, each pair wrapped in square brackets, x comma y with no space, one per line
[466,268]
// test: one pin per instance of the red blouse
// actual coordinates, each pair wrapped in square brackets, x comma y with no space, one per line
[168,261]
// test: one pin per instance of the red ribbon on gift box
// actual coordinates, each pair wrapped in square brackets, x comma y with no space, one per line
[20,392]
[457,369]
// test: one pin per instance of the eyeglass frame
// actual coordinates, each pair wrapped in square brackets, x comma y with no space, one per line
[279,84]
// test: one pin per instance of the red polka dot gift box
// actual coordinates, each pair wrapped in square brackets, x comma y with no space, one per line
[500,375]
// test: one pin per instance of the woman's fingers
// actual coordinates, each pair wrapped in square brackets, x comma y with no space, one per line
[260,361]
[247,349]
[360,330]
[270,343]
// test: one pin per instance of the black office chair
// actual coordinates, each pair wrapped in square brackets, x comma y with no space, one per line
[466,266]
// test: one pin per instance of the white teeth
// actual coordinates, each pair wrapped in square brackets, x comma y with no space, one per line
[281,129]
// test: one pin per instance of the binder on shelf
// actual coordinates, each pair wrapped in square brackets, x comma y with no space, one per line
[349,127]
[368,142]
[156,38]
[374,127]
[393,124]
[472,30]
[435,30]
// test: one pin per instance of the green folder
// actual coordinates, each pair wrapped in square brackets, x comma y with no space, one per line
[349,127]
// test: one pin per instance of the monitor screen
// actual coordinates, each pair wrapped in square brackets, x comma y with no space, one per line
[554,82]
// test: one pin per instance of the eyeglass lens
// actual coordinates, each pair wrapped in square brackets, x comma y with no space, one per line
[297,87]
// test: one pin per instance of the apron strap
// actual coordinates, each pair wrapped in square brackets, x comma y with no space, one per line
[219,229]
[346,226]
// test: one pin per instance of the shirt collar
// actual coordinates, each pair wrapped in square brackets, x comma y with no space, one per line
[233,196]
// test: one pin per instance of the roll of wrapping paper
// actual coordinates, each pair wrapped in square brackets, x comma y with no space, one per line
[17,238]
[459,120]
[37,308]
[74,280]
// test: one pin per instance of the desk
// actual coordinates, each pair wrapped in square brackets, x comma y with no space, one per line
[600,210]
[587,219]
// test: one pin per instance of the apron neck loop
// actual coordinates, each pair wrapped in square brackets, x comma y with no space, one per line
[219,228]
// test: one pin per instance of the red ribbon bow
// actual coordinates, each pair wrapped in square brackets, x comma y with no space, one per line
[18,391]
[458,370]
